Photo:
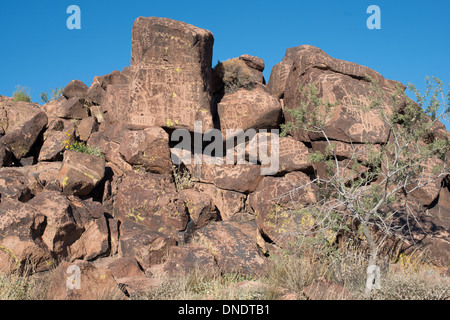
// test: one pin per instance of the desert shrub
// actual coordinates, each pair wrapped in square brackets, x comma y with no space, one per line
[235,75]
[55,94]
[182,178]
[83,148]
[22,94]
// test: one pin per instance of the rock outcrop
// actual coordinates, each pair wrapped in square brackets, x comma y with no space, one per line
[129,211]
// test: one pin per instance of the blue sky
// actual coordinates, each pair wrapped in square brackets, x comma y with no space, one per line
[39,52]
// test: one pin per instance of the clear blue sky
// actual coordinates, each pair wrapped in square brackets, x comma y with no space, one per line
[39,52]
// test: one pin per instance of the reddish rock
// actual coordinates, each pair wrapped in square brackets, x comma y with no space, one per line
[353,119]
[151,200]
[120,267]
[234,250]
[59,228]
[186,259]
[359,152]
[242,178]
[86,127]
[200,206]
[93,242]
[59,135]
[14,185]
[292,154]
[247,109]
[276,202]
[148,148]
[23,256]
[256,66]
[170,77]
[21,138]
[75,89]
[95,283]
[227,202]
[80,173]
[74,108]
[97,90]
[136,241]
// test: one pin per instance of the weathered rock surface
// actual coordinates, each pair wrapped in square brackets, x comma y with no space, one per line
[151,200]
[80,173]
[353,119]
[20,138]
[75,89]
[233,249]
[247,109]
[148,148]
[59,135]
[276,202]
[95,283]
[171,74]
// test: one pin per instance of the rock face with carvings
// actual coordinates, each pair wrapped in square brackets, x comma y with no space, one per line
[170,82]
[92,180]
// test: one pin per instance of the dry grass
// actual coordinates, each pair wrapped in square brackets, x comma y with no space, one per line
[235,75]
[288,272]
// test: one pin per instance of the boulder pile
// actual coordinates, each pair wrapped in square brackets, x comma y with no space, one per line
[129,213]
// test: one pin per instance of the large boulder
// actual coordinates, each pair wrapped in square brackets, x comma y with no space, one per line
[186,259]
[148,148]
[21,137]
[73,108]
[75,89]
[227,202]
[277,203]
[148,247]
[80,173]
[246,109]
[82,280]
[359,95]
[59,135]
[243,178]
[170,83]
[151,200]
[234,248]
[14,185]
[280,73]
[19,228]
[59,227]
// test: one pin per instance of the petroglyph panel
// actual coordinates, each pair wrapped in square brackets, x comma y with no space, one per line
[170,87]
[246,109]
[353,119]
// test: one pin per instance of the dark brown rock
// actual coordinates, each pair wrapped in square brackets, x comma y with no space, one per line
[80,173]
[148,148]
[95,283]
[73,108]
[59,228]
[151,200]
[86,127]
[353,119]
[276,203]
[170,77]
[234,250]
[247,109]
[75,89]
[21,138]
